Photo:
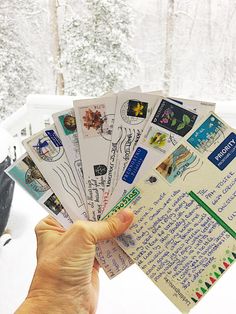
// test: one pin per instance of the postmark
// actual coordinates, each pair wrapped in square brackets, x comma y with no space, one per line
[177,164]
[134,111]
[107,128]
[47,146]
[68,123]
[174,118]
[210,132]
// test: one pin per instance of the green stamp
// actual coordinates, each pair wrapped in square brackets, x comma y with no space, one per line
[68,123]
[123,203]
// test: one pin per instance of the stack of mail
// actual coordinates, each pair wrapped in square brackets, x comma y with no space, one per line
[172,161]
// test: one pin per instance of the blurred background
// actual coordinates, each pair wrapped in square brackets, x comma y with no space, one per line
[87,47]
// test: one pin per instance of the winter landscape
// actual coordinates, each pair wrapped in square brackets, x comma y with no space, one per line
[185,48]
[87,47]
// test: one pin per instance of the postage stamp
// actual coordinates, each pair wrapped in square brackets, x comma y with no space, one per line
[95,121]
[48,146]
[177,163]
[68,123]
[54,204]
[26,173]
[158,139]
[174,118]
[134,111]
[211,130]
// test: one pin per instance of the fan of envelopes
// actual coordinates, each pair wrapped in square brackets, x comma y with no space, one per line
[172,161]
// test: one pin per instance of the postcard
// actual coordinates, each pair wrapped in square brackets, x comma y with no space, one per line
[183,235]
[47,151]
[170,121]
[27,175]
[132,111]
[65,123]
[95,118]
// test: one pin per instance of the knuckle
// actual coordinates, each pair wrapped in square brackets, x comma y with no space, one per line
[112,226]
[81,228]
[38,228]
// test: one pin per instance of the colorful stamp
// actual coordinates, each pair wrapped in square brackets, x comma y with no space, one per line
[48,146]
[54,204]
[207,134]
[174,118]
[134,111]
[68,123]
[177,163]
[158,139]
[137,109]
[26,173]
[95,121]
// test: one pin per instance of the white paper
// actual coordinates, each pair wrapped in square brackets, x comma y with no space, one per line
[47,152]
[66,126]
[132,112]
[166,139]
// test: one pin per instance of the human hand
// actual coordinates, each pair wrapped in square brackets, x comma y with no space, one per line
[66,277]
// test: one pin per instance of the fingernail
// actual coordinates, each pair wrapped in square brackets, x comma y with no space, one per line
[124,215]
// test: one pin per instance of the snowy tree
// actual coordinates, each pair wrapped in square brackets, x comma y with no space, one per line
[55,44]
[96,51]
[16,68]
[169,45]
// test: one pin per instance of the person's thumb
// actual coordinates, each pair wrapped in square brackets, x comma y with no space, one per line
[112,227]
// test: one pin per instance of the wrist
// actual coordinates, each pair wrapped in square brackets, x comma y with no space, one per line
[50,295]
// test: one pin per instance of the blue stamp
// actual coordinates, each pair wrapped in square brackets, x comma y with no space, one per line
[134,165]
[224,153]
[54,138]
[207,134]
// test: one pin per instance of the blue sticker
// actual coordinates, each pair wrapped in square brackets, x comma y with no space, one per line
[224,153]
[134,165]
[54,138]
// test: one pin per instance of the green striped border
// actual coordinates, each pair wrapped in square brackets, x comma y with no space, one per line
[213,214]
[123,203]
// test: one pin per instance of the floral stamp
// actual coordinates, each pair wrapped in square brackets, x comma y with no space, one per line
[174,118]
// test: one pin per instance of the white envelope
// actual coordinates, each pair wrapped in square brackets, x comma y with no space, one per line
[157,138]
[46,150]
[27,175]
